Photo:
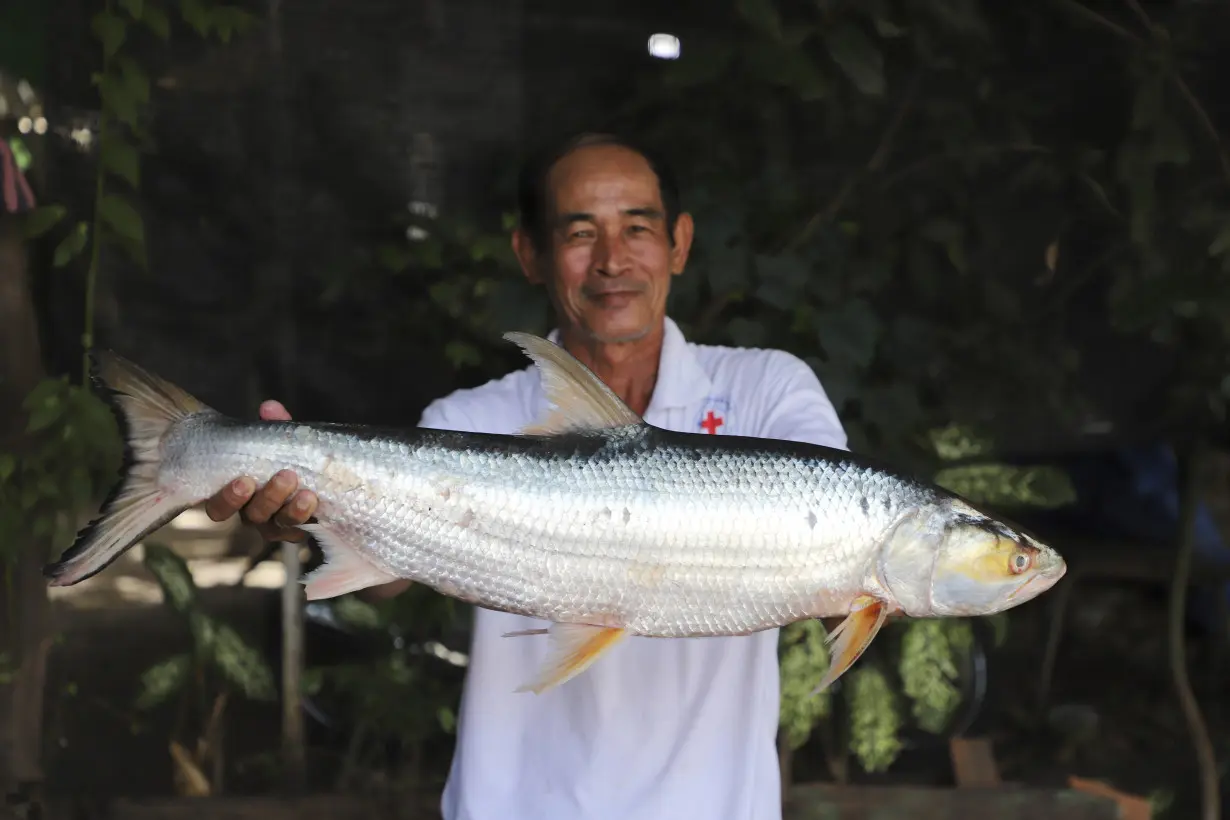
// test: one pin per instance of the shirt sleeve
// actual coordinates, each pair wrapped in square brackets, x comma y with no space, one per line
[797,408]
[447,414]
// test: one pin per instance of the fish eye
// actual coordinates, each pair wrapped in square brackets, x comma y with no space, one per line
[1021,562]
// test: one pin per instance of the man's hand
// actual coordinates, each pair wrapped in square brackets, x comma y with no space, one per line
[276,509]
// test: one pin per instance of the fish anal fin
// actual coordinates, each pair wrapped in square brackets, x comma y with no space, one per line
[852,637]
[573,647]
[582,400]
[344,570]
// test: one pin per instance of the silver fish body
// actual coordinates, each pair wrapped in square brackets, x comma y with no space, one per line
[593,520]
[667,534]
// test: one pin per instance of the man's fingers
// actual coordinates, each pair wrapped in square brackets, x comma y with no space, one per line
[273,411]
[271,497]
[230,499]
[300,509]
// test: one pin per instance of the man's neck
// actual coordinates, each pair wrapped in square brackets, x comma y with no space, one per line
[628,368]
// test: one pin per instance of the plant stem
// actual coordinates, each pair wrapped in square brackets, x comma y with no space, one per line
[1189,498]
[91,274]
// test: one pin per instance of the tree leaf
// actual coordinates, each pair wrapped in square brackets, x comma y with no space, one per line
[1221,243]
[71,245]
[120,158]
[1170,142]
[164,679]
[171,572]
[858,57]
[118,100]
[196,15]
[875,723]
[241,664]
[8,465]
[704,64]
[789,67]
[157,21]
[762,15]
[111,30]
[782,280]
[1147,107]
[43,219]
[134,7]
[135,79]
[849,333]
[120,215]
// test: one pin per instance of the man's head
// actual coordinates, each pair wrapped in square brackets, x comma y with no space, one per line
[601,229]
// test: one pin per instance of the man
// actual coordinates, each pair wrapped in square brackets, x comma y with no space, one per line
[656,729]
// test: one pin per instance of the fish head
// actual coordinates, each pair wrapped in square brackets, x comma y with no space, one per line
[955,561]
[983,566]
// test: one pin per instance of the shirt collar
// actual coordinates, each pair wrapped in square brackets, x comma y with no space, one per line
[681,379]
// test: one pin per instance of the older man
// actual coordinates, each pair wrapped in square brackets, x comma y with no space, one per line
[660,729]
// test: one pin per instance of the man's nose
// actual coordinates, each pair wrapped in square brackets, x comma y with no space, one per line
[611,255]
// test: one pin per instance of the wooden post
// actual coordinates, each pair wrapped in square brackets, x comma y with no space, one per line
[282,283]
[292,666]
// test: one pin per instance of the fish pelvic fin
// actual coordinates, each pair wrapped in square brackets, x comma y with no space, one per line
[573,647]
[147,407]
[582,400]
[344,570]
[852,637]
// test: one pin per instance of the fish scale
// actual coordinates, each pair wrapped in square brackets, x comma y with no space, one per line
[594,521]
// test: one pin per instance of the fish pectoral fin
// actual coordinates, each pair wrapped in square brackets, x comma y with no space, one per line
[582,400]
[852,637]
[344,570]
[573,647]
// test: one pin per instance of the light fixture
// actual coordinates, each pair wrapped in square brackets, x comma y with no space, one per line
[664,46]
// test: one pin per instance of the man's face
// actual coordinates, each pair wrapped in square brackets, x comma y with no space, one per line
[610,259]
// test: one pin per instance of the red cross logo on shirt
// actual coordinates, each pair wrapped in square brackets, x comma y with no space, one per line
[711,423]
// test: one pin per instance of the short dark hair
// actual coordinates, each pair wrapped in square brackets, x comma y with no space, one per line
[532,182]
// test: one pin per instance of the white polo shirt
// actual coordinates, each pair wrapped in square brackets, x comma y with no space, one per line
[656,729]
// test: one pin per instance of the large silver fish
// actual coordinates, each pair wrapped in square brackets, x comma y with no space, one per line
[594,520]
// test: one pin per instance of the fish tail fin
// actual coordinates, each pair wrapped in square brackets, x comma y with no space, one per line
[146,407]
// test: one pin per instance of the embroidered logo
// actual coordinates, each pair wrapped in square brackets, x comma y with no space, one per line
[714,417]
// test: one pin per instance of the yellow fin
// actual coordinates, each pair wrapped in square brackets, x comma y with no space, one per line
[573,648]
[582,400]
[852,637]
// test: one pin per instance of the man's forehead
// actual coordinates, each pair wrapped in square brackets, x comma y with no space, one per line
[604,172]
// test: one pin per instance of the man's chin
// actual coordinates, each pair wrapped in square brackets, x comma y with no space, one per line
[619,332]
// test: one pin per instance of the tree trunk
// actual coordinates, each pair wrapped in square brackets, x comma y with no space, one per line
[26,613]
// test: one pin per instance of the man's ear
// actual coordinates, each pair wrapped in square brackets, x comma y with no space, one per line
[683,243]
[527,255]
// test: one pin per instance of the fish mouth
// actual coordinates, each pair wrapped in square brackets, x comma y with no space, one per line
[1040,582]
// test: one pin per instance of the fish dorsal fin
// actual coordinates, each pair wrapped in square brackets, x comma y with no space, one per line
[582,400]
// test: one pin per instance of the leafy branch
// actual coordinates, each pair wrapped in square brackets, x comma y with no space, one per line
[72,446]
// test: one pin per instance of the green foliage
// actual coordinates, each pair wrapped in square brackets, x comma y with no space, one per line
[372,695]
[71,450]
[216,646]
[804,660]
[1004,486]
[875,720]
[929,651]
[72,457]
